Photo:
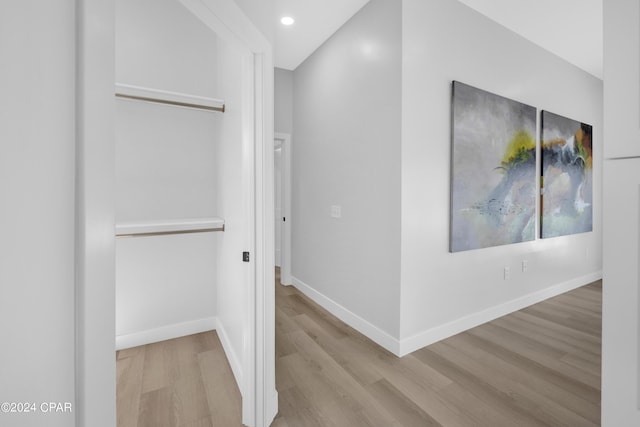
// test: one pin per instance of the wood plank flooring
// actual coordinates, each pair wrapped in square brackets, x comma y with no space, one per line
[536,367]
[184,382]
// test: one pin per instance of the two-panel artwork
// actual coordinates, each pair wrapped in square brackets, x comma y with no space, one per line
[495,172]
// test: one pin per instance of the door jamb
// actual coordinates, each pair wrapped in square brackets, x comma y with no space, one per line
[285,259]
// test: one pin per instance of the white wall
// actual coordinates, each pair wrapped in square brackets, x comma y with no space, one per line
[347,153]
[620,323]
[165,169]
[165,287]
[160,44]
[261,14]
[165,166]
[283,108]
[443,293]
[37,168]
[621,299]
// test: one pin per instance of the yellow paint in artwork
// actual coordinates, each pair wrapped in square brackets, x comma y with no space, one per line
[519,149]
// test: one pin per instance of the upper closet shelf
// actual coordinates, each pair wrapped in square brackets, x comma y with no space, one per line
[172,226]
[139,93]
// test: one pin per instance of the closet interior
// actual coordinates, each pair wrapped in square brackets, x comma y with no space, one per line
[182,216]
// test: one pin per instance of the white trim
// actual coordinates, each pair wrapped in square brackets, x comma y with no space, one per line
[229,23]
[146,92]
[264,339]
[285,268]
[430,336]
[232,357]
[271,406]
[371,331]
[250,117]
[95,371]
[408,345]
[166,332]
[269,393]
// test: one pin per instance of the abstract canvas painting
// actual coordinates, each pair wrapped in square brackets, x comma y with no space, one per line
[567,177]
[493,199]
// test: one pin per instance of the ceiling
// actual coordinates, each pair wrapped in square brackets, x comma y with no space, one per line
[316,21]
[571,29]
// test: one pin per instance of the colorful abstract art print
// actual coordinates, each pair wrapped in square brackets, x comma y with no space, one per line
[566,201]
[493,185]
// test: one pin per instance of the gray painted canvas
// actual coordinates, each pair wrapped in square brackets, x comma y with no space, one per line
[493,199]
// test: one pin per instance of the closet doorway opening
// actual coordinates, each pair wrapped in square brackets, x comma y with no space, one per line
[241,254]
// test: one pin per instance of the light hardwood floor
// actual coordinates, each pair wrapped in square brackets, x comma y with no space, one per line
[536,367]
[184,382]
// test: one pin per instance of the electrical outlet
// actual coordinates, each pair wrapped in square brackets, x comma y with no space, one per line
[507,273]
[525,265]
[336,211]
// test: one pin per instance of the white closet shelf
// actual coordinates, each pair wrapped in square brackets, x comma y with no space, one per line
[145,94]
[169,226]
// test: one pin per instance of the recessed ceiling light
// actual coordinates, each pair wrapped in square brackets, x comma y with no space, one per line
[287,20]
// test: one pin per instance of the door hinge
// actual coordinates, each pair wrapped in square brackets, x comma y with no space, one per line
[245,256]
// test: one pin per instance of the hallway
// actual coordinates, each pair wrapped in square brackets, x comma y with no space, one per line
[536,367]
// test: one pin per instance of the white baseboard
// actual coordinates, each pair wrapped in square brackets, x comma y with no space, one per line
[166,332]
[447,330]
[271,408]
[433,335]
[232,357]
[371,331]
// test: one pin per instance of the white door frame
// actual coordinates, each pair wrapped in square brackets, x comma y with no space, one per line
[285,258]
[279,202]
[95,207]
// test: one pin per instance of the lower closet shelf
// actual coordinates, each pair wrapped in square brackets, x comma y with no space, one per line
[172,226]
